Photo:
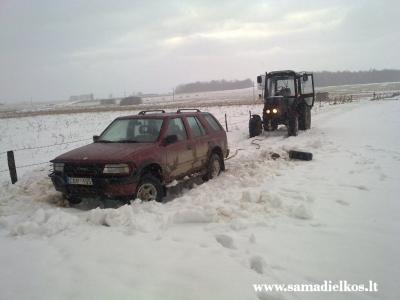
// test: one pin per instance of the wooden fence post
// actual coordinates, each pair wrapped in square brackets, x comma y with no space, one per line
[11,167]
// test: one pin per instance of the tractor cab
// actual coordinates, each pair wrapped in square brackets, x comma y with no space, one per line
[281,86]
[288,84]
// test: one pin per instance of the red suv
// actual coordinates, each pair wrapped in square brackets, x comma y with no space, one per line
[136,156]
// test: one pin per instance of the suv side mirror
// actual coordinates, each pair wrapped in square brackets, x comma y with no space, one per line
[95,138]
[305,77]
[170,139]
[259,79]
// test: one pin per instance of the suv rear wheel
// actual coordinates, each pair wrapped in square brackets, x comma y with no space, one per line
[149,189]
[214,167]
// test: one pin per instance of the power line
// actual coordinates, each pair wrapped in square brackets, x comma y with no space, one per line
[46,146]
[31,165]
[25,166]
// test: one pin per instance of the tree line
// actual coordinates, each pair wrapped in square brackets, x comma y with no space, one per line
[213,85]
[326,78]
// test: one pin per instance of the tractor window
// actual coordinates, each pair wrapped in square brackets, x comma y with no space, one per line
[281,87]
[306,86]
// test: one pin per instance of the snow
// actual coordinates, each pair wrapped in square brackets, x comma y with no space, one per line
[225,241]
[264,220]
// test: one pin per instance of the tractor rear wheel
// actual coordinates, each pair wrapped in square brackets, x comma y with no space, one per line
[305,118]
[308,119]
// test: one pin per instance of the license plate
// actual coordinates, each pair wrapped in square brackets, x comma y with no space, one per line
[81,181]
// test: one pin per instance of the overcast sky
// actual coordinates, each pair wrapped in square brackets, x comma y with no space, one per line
[50,50]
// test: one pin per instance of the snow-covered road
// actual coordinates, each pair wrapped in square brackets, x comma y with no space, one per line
[263,221]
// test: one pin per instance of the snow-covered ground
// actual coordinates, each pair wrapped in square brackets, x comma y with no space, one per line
[262,221]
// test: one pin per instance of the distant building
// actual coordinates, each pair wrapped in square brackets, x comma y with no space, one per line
[133,100]
[87,97]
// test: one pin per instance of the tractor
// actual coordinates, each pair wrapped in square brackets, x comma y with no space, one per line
[288,99]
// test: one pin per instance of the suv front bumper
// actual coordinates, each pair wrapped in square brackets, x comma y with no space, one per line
[115,187]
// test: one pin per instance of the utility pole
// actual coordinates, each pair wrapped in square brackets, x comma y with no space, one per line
[173,94]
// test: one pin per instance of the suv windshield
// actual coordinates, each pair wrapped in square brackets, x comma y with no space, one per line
[132,131]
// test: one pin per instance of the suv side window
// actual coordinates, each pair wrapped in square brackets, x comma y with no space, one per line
[212,122]
[196,126]
[175,126]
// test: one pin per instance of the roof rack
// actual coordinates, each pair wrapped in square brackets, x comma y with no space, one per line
[187,109]
[143,112]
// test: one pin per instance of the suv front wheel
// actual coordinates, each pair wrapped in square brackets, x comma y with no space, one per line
[72,200]
[149,189]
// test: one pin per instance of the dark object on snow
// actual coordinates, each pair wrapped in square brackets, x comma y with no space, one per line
[293,154]
[255,126]
[275,155]
[288,99]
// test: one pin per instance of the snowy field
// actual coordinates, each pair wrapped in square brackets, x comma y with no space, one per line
[262,221]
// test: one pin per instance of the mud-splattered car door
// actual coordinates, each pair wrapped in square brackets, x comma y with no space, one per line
[180,154]
[200,141]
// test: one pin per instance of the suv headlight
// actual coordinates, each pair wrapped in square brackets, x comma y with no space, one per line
[116,169]
[58,167]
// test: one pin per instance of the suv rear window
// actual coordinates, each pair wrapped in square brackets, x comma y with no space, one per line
[213,123]
[196,126]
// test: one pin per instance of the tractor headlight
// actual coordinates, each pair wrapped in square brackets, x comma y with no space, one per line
[275,111]
[116,169]
[58,167]
[268,111]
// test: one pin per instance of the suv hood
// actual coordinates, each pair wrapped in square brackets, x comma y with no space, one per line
[103,152]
